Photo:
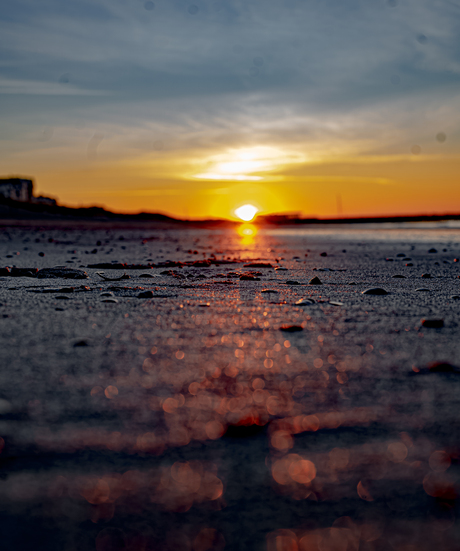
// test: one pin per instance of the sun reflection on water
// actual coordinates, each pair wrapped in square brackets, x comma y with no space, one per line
[247,232]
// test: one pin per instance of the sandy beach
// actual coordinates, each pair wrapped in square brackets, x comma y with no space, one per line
[192,389]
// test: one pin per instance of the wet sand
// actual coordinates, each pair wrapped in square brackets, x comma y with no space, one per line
[217,413]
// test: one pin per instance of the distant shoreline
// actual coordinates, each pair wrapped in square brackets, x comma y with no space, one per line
[23,212]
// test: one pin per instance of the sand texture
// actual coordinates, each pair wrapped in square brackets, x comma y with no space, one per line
[184,399]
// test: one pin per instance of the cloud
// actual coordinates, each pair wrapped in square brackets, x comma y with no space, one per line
[37,88]
[324,79]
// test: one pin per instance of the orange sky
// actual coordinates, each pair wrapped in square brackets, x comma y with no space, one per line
[278,182]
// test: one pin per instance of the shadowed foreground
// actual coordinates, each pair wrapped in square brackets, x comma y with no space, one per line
[215,412]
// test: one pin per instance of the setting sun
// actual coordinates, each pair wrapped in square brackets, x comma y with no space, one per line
[246,212]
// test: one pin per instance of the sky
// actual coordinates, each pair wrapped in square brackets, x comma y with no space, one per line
[195,107]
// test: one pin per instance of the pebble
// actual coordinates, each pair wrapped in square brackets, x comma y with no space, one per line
[352,283]
[291,328]
[402,255]
[443,367]
[455,297]
[375,291]
[409,264]
[389,259]
[292,282]
[323,254]
[426,276]
[315,281]
[423,289]
[81,343]
[269,291]
[249,278]
[62,297]
[305,302]
[148,275]
[336,303]
[41,254]
[109,300]
[61,273]
[204,305]
[397,276]
[432,251]
[105,278]
[145,294]
[281,269]
[5,406]
[258,265]
[433,323]
[107,294]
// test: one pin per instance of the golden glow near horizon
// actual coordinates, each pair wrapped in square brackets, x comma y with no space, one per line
[167,183]
[246,212]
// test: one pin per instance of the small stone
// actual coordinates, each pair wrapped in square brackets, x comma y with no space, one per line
[292,282]
[305,302]
[81,343]
[455,259]
[109,300]
[322,254]
[389,259]
[281,269]
[432,251]
[407,259]
[5,406]
[147,276]
[61,273]
[249,278]
[433,323]
[41,254]
[145,294]
[352,283]
[426,276]
[62,297]
[258,265]
[375,291]
[455,297]
[336,303]
[409,264]
[107,294]
[315,281]
[269,291]
[443,367]
[291,328]
[398,276]
[423,290]
[59,309]
[201,264]
[204,305]
[401,255]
